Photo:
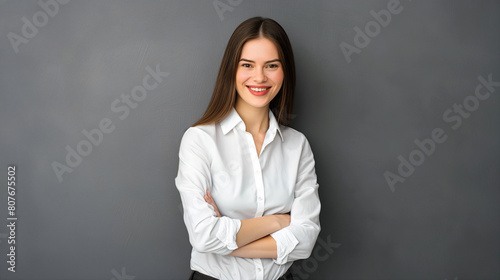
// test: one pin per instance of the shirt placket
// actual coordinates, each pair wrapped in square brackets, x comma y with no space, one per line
[259,270]
[259,188]
[259,182]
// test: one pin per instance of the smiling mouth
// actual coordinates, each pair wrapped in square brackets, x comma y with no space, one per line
[259,90]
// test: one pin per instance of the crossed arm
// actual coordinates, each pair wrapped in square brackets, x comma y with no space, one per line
[253,238]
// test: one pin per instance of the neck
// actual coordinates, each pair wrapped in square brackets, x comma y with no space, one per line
[256,119]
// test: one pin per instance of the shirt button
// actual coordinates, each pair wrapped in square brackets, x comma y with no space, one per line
[259,269]
[260,197]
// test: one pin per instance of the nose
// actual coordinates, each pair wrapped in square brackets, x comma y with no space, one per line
[259,76]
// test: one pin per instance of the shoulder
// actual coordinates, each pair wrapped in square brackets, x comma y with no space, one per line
[197,141]
[293,135]
[200,134]
[295,141]
[200,130]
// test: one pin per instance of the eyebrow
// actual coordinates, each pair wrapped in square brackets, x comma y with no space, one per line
[244,59]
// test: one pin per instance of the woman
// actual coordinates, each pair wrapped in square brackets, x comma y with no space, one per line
[247,181]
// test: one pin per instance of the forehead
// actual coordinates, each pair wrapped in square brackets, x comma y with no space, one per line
[259,49]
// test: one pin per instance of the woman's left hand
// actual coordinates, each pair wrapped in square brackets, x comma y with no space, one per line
[209,199]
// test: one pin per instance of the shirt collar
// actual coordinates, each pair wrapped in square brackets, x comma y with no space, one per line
[233,120]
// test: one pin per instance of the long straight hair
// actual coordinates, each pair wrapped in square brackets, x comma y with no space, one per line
[224,94]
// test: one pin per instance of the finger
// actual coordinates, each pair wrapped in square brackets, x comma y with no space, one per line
[209,194]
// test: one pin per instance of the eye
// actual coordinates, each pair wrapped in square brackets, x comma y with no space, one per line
[246,65]
[273,66]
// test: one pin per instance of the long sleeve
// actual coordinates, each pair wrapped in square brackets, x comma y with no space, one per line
[297,240]
[207,232]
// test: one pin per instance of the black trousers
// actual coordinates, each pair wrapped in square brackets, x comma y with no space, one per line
[200,276]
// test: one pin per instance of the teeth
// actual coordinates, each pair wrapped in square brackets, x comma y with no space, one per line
[258,89]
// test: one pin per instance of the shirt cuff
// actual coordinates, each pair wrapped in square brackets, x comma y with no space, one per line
[227,234]
[285,243]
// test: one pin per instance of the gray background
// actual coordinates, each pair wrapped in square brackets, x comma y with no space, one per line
[116,215]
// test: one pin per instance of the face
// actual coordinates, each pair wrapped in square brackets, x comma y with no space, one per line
[259,74]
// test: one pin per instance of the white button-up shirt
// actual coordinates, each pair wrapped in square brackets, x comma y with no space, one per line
[222,157]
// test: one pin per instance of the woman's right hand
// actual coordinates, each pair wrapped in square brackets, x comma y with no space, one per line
[210,200]
[283,220]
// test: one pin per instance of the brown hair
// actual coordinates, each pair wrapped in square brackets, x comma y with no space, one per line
[224,94]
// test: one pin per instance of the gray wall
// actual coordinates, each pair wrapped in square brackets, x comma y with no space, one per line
[116,214]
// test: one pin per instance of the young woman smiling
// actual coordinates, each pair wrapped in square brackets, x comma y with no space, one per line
[247,181]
